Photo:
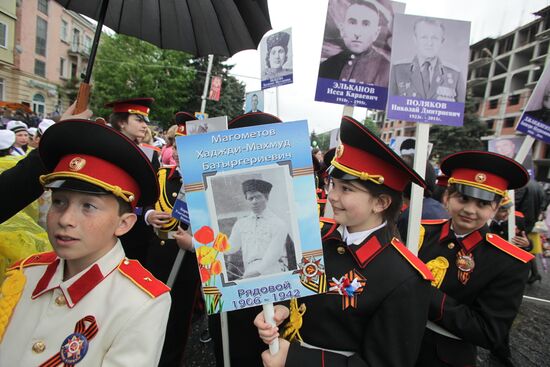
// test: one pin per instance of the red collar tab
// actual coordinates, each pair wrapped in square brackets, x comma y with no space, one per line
[328,227]
[366,251]
[413,260]
[92,169]
[83,285]
[46,278]
[445,230]
[507,247]
[471,240]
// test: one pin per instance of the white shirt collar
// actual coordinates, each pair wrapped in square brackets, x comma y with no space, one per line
[356,238]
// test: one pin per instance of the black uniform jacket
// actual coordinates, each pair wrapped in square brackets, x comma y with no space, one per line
[386,324]
[481,311]
[161,255]
[19,185]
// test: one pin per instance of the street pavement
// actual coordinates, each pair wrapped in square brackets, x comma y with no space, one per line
[529,337]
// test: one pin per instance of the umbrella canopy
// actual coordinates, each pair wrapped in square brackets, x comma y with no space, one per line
[199,27]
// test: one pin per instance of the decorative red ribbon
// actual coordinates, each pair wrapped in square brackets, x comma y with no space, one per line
[88,331]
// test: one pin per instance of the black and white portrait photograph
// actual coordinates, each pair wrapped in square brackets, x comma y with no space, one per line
[429,58]
[254,208]
[276,59]
[538,106]
[357,41]
[206,125]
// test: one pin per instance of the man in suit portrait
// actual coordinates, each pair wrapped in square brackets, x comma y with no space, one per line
[359,62]
[254,101]
[426,76]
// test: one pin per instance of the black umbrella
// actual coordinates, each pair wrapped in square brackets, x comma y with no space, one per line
[198,27]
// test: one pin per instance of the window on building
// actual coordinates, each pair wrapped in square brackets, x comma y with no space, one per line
[62,67]
[398,133]
[87,43]
[3,35]
[490,124]
[1,89]
[73,70]
[43,6]
[64,33]
[41,36]
[40,68]
[76,40]
[513,99]
[493,103]
[509,121]
[39,104]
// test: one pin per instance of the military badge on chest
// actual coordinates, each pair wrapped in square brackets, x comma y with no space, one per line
[75,346]
[348,286]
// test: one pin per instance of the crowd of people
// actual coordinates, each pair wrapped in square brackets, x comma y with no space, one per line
[100,195]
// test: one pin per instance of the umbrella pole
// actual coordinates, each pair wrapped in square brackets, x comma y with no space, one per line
[206,81]
[84,89]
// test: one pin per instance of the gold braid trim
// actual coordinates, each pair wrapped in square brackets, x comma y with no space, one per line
[377,179]
[10,293]
[115,190]
[477,185]
[163,203]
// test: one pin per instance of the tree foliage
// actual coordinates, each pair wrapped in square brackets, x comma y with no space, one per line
[127,67]
[448,140]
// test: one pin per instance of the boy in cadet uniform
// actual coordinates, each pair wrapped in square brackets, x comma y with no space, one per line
[479,276]
[169,237]
[86,303]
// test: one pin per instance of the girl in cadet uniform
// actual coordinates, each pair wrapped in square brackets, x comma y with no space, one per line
[376,307]
[479,277]
[130,117]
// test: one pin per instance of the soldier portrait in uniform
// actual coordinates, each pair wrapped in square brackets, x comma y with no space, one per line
[277,59]
[428,74]
[257,219]
[356,47]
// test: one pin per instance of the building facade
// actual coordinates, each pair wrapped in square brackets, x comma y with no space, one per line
[502,73]
[50,50]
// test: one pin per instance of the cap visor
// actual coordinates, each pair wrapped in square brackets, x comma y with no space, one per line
[75,185]
[476,192]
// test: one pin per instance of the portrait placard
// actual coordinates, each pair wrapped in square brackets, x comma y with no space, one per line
[535,120]
[429,64]
[251,199]
[509,147]
[355,57]
[276,59]
[254,101]
[206,125]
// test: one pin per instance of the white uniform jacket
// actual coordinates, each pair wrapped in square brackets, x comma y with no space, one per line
[118,297]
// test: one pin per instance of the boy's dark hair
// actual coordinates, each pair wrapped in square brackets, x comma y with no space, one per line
[392,212]
[123,206]
[116,118]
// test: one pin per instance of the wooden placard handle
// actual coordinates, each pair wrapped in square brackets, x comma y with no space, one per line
[83,98]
